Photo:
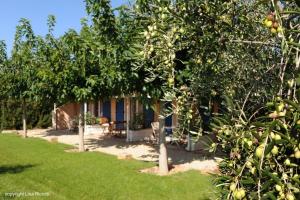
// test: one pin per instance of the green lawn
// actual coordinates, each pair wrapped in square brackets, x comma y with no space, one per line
[35,165]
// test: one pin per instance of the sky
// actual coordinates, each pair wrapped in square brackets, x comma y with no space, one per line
[67,12]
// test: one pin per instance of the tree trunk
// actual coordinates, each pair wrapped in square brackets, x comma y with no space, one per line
[85,109]
[54,119]
[81,128]
[215,107]
[163,156]
[2,116]
[24,119]
[127,118]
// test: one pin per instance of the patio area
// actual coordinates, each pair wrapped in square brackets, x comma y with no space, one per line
[145,151]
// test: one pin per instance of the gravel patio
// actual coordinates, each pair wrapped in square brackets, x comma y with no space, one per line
[145,151]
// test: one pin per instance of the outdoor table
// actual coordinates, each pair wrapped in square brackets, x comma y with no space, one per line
[169,130]
[118,126]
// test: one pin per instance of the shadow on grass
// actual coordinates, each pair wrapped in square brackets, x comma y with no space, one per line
[14,169]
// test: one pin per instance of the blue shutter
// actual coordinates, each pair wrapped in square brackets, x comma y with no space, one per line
[148,117]
[107,109]
[168,120]
[120,113]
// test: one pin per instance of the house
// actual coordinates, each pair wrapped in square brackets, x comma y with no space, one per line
[124,110]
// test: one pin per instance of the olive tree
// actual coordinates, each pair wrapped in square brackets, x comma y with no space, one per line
[263,147]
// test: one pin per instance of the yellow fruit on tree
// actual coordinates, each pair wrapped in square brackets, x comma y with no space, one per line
[249,143]
[280,107]
[253,170]
[232,186]
[227,132]
[290,196]
[151,48]
[291,83]
[248,164]
[173,56]
[281,114]
[243,193]
[273,30]
[277,137]
[171,81]
[273,115]
[268,23]
[297,154]
[272,135]
[240,193]
[150,28]
[284,176]
[278,188]
[259,151]
[287,162]
[279,29]
[275,150]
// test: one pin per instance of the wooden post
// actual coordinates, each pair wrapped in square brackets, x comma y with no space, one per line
[99,109]
[128,139]
[189,144]
[163,156]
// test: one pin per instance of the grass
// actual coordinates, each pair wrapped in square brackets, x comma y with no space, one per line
[35,165]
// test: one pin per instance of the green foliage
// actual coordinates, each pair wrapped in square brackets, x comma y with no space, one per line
[262,152]
[22,62]
[3,70]
[92,70]
[38,115]
[91,119]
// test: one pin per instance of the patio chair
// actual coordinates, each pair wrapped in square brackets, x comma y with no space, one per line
[105,125]
[73,125]
[173,138]
[117,128]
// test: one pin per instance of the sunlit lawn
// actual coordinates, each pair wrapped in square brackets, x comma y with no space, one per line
[34,165]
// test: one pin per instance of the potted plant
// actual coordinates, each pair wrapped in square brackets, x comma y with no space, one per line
[90,119]
[137,122]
